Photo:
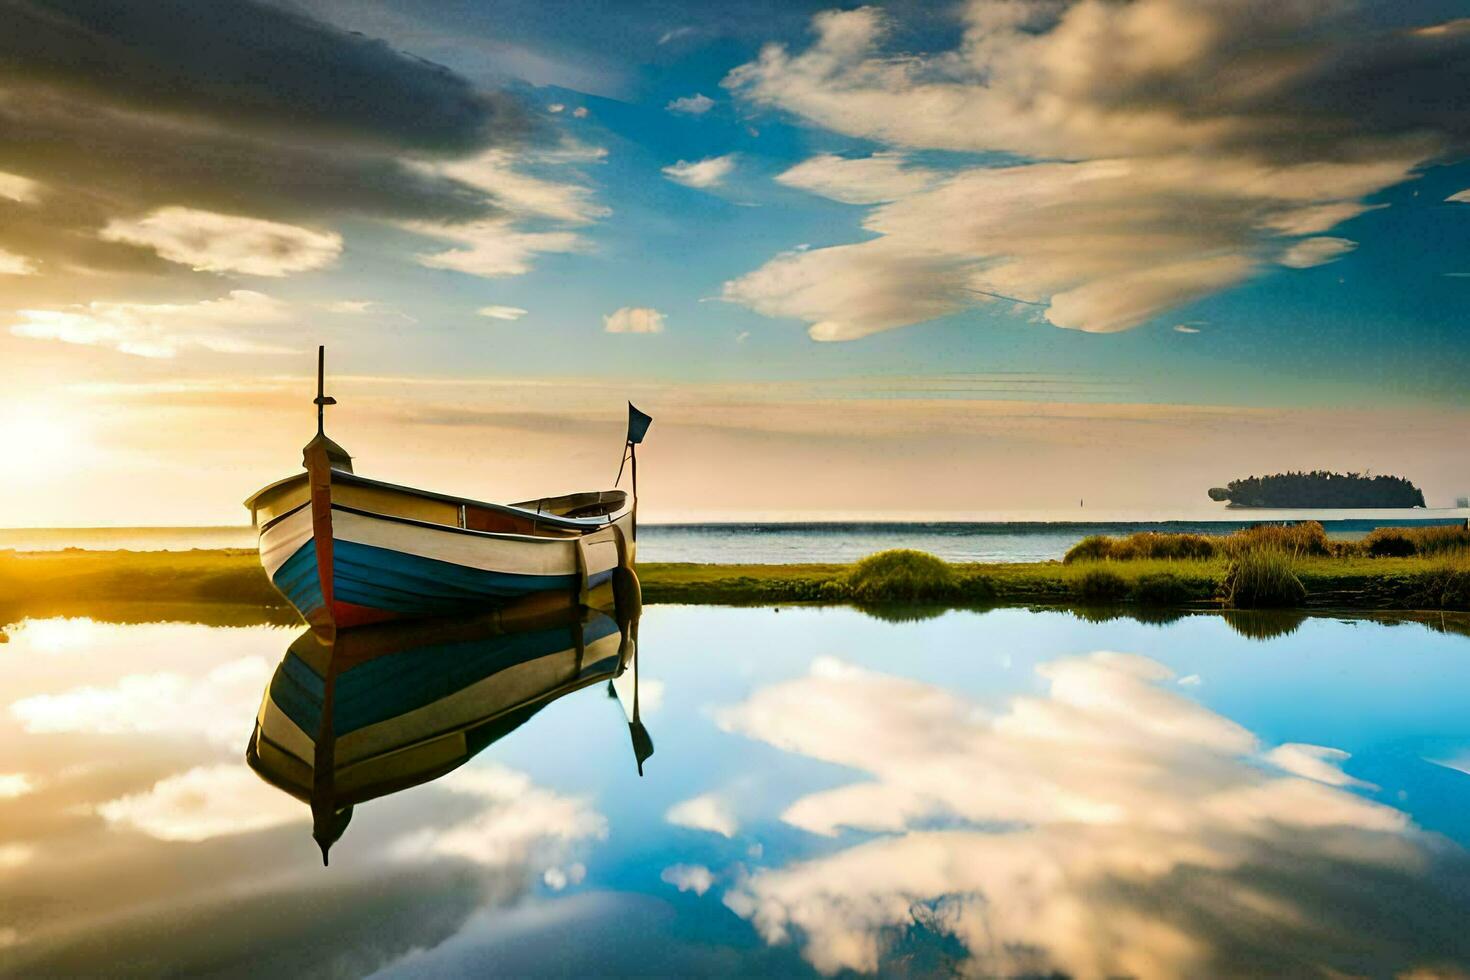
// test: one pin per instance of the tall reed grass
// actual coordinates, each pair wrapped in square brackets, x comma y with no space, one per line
[1307,539]
[1262,578]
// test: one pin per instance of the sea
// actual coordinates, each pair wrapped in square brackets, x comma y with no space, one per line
[802,792]
[1005,537]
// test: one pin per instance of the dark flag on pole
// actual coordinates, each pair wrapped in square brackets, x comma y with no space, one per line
[638,424]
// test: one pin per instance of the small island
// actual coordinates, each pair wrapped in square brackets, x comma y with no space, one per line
[1320,489]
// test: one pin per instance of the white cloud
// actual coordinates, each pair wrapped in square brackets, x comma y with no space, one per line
[349,307]
[1463,197]
[1315,762]
[1190,680]
[859,180]
[1186,157]
[507,244]
[710,172]
[1054,816]
[1316,251]
[12,264]
[210,242]
[208,707]
[707,812]
[1460,764]
[205,802]
[1185,328]
[558,878]
[556,107]
[1088,80]
[501,312]
[651,693]
[673,34]
[495,248]
[634,319]
[693,105]
[231,324]
[580,112]
[694,878]
[22,190]
[1098,244]
[501,174]
[517,822]
[13,784]
[849,291]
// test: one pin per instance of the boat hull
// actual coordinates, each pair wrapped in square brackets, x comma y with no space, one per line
[358,568]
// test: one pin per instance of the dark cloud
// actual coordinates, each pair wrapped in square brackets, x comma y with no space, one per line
[258,65]
[122,159]
[121,106]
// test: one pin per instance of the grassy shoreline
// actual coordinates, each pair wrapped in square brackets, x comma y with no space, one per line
[76,579]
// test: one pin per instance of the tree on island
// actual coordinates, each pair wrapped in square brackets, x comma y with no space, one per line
[1320,488]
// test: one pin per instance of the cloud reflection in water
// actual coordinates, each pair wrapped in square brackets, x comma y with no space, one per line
[1110,826]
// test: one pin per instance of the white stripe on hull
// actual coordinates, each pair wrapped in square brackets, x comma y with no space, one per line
[283,539]
[513,554]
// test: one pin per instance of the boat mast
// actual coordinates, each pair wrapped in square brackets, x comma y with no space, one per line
[322,400]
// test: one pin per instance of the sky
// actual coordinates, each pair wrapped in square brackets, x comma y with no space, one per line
[901,259]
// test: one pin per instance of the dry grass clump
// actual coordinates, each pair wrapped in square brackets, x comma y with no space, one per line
[1407,542]
[1094,547]
[901,575]
[1144,545]
[1305,540]
[1263,578]
[1169,547]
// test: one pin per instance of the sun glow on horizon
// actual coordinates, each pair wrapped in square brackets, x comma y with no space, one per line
[37,439]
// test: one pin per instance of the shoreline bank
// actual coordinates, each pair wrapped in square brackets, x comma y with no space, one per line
[233,577]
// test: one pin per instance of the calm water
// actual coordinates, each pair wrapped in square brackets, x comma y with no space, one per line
[1013,537]
[1007,792]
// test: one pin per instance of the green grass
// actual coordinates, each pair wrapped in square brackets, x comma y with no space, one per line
[1263,578]
[1164,590]
[1099,583]
[229,575]
[230,583]
[901,575]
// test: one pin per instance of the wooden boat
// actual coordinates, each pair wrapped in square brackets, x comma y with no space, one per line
[347,550]
[384,708]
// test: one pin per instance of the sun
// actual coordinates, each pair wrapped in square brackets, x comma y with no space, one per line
[36,438]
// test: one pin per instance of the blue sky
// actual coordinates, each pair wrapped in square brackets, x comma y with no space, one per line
[1231,206]
[1379,323]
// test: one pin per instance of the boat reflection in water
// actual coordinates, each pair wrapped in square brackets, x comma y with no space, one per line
[387,707]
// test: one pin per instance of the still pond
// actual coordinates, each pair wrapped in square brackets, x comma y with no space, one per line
[823,791]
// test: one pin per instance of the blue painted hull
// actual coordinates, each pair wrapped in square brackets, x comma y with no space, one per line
[373,584]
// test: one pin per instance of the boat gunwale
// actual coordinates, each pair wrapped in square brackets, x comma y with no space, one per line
[566,523]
